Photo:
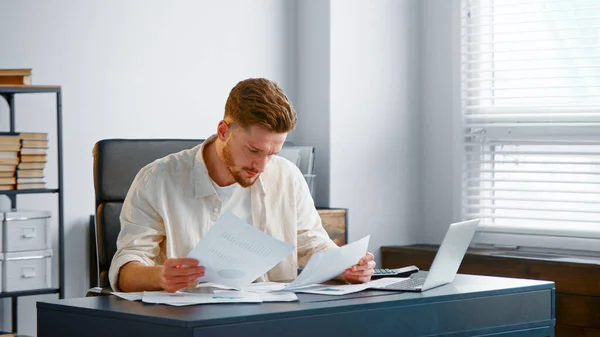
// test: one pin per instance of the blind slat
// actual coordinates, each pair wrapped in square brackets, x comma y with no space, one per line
[531,172]
[472,6]
[520,22]
[574,201]
[529,190]
[562,210]
[565,220]
[473,14]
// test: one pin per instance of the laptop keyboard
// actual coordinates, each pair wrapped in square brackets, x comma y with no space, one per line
[411,283]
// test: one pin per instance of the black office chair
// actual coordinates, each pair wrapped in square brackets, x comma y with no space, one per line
[116,163]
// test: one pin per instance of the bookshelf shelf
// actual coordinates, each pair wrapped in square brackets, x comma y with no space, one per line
[8,92]
[26,89]
[29,292]
[32,191]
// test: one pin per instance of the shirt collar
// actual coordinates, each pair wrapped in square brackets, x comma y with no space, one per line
[203,185]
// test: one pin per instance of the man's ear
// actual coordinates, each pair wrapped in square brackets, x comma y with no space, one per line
[223,130]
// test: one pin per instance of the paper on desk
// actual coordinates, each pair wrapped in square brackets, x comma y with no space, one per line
[129,296]
[326,265]
[182,298]
[265,297]
[264,287]
[235,253]
[345,289]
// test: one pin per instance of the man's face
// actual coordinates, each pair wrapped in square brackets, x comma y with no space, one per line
[247,153]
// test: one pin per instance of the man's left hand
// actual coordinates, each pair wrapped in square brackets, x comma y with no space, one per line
[360,272]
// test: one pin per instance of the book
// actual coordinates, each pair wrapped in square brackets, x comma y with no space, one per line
[10,146]
[6,137]
[29,173]
[30,166]
[34,135]
[29,150]
[33,158]
[5,174]
[7,188]
[10,168]
[29,180]
[9,161]
[30,186]
[15,76]
[32,143]
[7,180]
[15,72]
[9,154]
[16,80]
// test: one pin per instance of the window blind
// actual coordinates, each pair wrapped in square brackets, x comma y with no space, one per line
[530,101]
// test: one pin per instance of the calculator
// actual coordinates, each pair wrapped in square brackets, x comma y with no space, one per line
[398,272]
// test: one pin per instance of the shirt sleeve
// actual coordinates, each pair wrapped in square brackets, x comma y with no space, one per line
[142,228]
[312,237]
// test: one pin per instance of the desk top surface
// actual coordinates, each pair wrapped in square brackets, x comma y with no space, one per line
[463,287]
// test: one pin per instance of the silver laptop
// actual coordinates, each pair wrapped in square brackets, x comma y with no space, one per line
[446,261]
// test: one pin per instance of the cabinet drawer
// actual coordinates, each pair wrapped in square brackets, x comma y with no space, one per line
[24,231]
[27,270]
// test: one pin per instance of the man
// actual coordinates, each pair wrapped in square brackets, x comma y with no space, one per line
[173,201]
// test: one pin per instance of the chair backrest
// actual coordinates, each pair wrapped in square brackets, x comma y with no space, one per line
[116,163]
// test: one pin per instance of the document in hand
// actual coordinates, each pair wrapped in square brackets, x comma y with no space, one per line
[326,265]
[235,253]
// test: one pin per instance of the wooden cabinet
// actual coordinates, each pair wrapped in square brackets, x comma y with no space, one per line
[577,281]
[335,223]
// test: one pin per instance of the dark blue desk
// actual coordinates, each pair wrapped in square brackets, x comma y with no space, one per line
[471,306]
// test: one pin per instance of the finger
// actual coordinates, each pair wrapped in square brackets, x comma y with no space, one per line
[183,261]
[169,281]
[368,265]
[184,271]
[178,286]
[367,272]
[367,258]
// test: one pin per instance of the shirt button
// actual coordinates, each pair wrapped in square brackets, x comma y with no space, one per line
[216,210]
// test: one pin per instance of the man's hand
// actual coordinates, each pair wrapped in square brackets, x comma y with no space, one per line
[360,272]
[180,273]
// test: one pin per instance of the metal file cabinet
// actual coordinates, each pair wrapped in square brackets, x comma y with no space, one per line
[26,248]
[25,230]
[27,270]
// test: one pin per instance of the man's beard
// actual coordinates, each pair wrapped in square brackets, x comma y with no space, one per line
[228,157]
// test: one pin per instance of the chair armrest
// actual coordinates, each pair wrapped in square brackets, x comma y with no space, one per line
[97,291]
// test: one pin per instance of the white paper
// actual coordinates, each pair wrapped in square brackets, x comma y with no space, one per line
[235,253]
[265,297]
[128,296]
[326,265]
[264,287]
[212,285]
[345,289]
[182,298]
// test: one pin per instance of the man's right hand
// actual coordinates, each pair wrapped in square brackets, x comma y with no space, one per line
[180,273]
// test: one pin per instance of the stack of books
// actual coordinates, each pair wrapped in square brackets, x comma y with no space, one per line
[10,146]
[15,76]
[33,157]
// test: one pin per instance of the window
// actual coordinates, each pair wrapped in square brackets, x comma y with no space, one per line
[530,100]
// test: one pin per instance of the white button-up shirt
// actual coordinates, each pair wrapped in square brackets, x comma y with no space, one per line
[171,205]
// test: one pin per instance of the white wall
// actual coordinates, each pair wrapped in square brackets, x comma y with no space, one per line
[440,83]
[375,123]
[132,69]
[313,84]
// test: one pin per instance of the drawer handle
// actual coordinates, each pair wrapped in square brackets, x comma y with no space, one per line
[28,233]
[27,272]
